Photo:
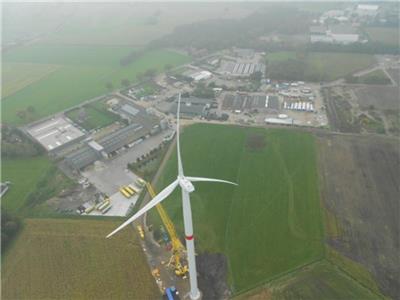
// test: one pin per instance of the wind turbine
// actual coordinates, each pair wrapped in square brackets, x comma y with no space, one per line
[185,183]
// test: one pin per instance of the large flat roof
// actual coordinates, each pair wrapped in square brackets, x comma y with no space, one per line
[54,132]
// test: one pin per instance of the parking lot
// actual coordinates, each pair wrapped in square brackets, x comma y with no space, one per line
[109,176]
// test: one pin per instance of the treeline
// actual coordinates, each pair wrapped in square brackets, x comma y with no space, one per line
[367,48]
[10,226]
[203,91]
[49,185]
[15,144]
[142,161]
[131,57]
[220,34]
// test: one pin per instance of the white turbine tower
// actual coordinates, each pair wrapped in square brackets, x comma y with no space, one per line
[185,182]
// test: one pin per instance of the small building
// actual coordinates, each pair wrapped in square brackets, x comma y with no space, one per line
[319,34]
[279,121]
[344,34]
[193,106]
[368,10]
[202,75]
[341,34]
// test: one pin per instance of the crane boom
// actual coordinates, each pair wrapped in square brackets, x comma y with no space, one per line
[176,243]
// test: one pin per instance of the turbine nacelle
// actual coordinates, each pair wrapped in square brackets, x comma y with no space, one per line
[185,184]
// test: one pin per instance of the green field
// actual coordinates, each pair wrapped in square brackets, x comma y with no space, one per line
[82,74]
[72,259]
[385,35]
[16,76]
[24,174]
[29,177]
[95,116]
[269,224]
[315,66]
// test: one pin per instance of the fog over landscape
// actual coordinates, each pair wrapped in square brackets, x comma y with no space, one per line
[107,107]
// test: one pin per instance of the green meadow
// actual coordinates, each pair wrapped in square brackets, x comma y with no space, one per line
[82,73]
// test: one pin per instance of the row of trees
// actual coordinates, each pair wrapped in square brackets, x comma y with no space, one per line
[26,113]
[147,75]
[15,144]
[220,34]
[143,160]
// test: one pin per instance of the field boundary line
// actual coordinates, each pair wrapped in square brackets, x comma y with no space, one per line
[351,277]
[229,221]
[279,276]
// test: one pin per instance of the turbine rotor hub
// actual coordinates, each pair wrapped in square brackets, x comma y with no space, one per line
[186,184]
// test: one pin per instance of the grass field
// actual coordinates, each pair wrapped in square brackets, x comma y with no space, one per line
[317,66]
[72,259]
[271,222]
[375,77]
[83,74]
[24,175]
[385,35]
[33,181]
[95,116]
[16,76]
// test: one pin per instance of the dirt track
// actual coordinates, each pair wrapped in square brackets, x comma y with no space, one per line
[360,185]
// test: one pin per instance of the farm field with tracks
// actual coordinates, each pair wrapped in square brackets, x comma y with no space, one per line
[65,258]
[360,190]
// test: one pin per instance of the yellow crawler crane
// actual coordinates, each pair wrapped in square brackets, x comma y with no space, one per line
[177,248]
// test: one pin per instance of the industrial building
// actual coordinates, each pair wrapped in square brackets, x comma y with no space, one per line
[367,10]
[239,102]
[201,75]
[193,107]
[231,68]
[55,133]
[103,148]
[342,34]
[244,53]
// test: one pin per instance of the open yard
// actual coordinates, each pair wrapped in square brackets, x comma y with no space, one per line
[315,66]
[83,73]
[16,76]
[270,224]
[60,259]
[360,190]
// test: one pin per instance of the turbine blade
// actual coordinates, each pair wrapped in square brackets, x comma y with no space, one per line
[178,146]
[199,179]
[157,199]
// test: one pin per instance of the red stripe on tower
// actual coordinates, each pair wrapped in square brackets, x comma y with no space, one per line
[189,237]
